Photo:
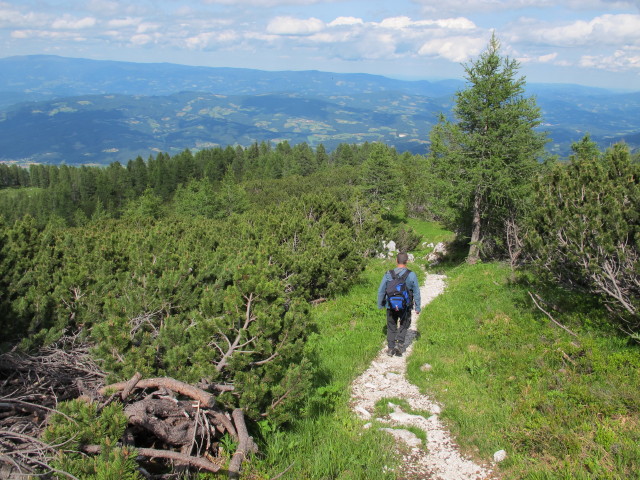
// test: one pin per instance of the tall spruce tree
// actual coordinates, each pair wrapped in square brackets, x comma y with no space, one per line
[489,154]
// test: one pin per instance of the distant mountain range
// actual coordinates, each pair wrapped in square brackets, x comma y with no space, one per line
[55,109]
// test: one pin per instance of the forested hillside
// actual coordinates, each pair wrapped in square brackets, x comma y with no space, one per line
[218,269]
[78,111]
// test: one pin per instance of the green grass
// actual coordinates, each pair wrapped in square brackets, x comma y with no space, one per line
[328,441]
[562,407]
[430,231]
[382,407]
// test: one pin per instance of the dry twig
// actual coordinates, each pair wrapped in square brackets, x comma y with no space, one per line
[549,315]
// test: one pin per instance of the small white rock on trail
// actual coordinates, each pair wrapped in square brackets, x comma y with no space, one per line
[440,458]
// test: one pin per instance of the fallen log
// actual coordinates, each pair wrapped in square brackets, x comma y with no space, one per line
[130,385]
[206,399]
[245,445]
[168,420]
[197,462]
[221,419]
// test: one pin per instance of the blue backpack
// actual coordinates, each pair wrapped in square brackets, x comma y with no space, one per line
[398,295]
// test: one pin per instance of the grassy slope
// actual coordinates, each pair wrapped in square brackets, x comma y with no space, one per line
[329,442]
[562,407]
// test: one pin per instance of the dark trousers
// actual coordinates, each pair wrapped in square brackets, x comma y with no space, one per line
[397,326]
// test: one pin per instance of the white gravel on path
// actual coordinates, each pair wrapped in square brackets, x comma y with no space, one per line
[440,458]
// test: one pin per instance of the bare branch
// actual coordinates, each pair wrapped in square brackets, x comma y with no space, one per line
[245,444]
[205,399]
[197,462]
[233,347]
[283,472]
[549,315]
[130,385]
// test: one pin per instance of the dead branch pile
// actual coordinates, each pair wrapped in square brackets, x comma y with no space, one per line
[172,425]
[189,431]
[30,388]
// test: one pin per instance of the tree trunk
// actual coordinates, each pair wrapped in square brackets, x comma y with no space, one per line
[474,248]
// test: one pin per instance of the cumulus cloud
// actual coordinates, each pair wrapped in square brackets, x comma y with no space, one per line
[455,48]
[621,60]
[294,26]
[548,58]
[70,23]
[264,3]
[340,21]
[207,39]
[606,29]
[404,23]
[141,39]
[46,34]
[465,6]
[124,22]
[393,37]
[145,27]
[12,18]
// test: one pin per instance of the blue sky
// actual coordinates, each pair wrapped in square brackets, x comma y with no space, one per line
[589,42]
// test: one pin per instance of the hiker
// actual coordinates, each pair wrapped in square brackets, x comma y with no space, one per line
[398,292]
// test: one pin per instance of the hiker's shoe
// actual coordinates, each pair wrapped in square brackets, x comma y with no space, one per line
[391,352]
[398,352]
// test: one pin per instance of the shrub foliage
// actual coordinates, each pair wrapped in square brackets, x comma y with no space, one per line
[585,230]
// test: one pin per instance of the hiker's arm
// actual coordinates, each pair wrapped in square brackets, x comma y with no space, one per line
[382,292]
[416,292]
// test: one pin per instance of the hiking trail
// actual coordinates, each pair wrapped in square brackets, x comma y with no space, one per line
[440,458]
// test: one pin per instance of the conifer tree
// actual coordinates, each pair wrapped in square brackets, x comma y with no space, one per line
[487,157]
[381,178]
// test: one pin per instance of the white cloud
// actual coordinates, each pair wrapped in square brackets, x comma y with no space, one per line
[455,49]
[207,39]
[548,58]
[391,38]
[340,21]
[12,18]
[70,23]
[396,23]
[459,23]
[104,7]
[331,37]
[45,34]
[141,39]
[148,27]
[264,3]
[466,6]
[124,22]
[294,26]
[603,4]
[603,30]
[404,23]
[621,60]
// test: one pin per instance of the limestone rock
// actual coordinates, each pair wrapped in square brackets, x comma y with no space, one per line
[438,253]
[406,436]
[364,413]
[499,456]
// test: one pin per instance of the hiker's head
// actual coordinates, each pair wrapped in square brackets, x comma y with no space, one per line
[402,258]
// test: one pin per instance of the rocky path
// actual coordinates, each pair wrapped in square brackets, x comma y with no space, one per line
[440,458]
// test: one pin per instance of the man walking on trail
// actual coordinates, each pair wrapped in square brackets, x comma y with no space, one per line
[398,311]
